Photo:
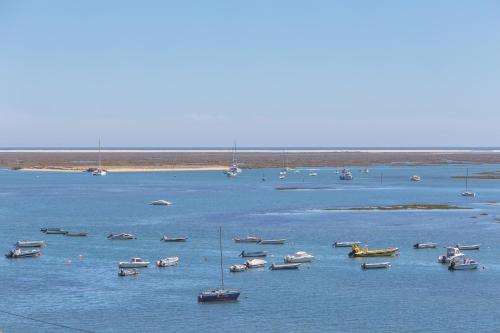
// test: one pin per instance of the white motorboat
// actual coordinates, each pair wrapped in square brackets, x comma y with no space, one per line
[452,253]
[272,241]
[468,247]
[29,243]
[166,262]
[299,257]
[375,265]
[121,236]
[128,272]
[161,203]
[99,171]
[346,174]
[276,267]
[255,263]
[313,174]
[247,239]
[415,178]
[133,263]
[173,239]
[345,244]
[462,264]
[18,253]
[428,245]
[233,170]
[238,268]
[467,193]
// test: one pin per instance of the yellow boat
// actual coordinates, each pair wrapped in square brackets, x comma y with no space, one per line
[357,252]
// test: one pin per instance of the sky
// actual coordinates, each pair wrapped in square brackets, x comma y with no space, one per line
[264,73]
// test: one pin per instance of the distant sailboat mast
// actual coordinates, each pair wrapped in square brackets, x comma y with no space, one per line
[220,249]
[99,155]
[467,181]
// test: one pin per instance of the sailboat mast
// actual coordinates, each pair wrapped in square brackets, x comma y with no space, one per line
[220,248]
[235,162]
[99,154]
[467,180]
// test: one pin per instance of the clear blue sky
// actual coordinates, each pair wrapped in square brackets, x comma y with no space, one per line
[267,73]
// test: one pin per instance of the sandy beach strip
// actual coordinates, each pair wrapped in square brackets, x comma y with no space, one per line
[130,169]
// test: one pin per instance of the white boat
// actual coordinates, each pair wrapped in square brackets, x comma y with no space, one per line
[55,231]
[415,178]
[247,239]
[428,245]
[299,257]
[467,193]
[345,244]
[121,236]
[375,265]
[233,170]
[161,203]
[282,176]
[346,174]
[173,239]
[76,234]
[313,174]
[255,263]
[128,272]
[276,267]
[99,171]
[452,253]
[462,264]
[272,241]
[133,263]
[172,261]
[29,243]
[18,253]
[468,247]
[238,268]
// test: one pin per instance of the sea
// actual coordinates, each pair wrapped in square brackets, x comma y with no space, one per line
[73,286]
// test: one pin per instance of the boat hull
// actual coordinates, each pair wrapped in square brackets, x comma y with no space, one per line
[272,241]
[345,244]
[133,265]
[218,296]
[425,245]
[277,267]
[30,243]
[379,265]
[253,254]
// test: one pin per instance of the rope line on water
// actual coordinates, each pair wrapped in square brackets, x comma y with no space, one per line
[46,322]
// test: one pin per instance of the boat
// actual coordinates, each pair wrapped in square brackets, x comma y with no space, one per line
[313,174]
[247,239]
[160,203]
[428,245]
[133,263]
[415,178]
[29,243]
[357,252]
[468,247]
[253,254]
[276,267]
[346,174]
[272,241]
[345,244]
[452,253]
[99,171]
[375,265]
[238,268]
[282,176]
[233,170]
[173,239]
[467,193]
[366,171]
[18,253]
[255,263]
[462,264]
[121,236]
[76,234]
[55,231]
[128,272]
[284,171]
[299,257]
[172,261]
[219,295]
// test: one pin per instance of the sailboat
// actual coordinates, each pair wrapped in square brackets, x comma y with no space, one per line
[284,171]
[219,295]
[233,170]
[100,171]
[467,193]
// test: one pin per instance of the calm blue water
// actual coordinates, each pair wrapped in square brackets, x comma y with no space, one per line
[332,294]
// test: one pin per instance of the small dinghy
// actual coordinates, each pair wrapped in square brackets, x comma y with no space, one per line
[375,265]
[161,203]
[166,262]
[134,263]
[468,247]
[248,239]
[272,241]
[173,239]
[345,244]
[121,236]
[76,234]
[452,253]
[255,263]
[425,245]
[299,257]
[52,230]
[128,272]
[29,243]
[238,268]
[17,253]
[253,254]
[276,267]
[463,264]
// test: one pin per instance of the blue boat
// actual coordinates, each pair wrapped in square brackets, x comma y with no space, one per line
[219,295]
[253,254]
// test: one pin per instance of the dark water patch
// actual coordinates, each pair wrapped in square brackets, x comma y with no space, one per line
[403,207]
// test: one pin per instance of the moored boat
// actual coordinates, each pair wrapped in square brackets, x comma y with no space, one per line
[452,253]
[247,239]
[253,254]
[346,174]
[166,262]
[76,234]
[134,263]
[415,178]
[255,263]
[161,203]
[272,241]
[468,247]
[345,244]
[29,243]
[428,245]
[173,239]
[387,252]
[462,264]
[128,272]
[121,236]
[55,231]
[375,265]
[18,253]
[299,257]
[238,268]
[276,267]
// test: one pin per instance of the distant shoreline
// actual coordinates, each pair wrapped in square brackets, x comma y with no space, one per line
[127,169]
[245,151]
